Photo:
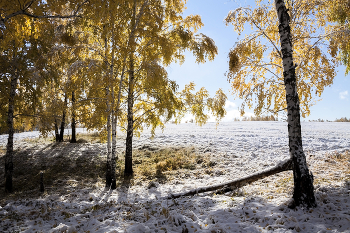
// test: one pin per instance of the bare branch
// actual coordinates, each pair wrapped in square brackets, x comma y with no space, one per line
[27,6]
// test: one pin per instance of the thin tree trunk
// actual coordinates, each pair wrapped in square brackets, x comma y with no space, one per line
[114,146]
[57,135]
[114,137]
[229,186]
[130,128]
[9,149]
[73,140]
[113,116]
[109,122]
[303,178]
[108,164]
[63,122]
[128,171]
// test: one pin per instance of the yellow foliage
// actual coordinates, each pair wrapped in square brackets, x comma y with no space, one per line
[255,62]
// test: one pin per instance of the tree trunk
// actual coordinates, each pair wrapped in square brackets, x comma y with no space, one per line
[9,149]
[303,178]
[130,128]
[63,122]
[128,171]
[114,148]
[109,128]
[113,116]
[108,164]
[283,166]
[73,140]
[114,139]
[57,135]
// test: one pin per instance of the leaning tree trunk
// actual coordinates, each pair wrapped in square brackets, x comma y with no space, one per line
[63,122]
[9,149]
[303,178]
[237,183]
[73,140]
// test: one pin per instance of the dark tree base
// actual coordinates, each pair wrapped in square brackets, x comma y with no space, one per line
[304,192]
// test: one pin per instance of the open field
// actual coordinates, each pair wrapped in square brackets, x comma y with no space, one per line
[182,157]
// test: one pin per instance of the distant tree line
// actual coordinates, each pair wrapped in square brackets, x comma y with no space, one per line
[260,118]
[343,119]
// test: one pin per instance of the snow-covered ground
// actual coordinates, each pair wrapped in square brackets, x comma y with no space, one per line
[33,134]
[240,148]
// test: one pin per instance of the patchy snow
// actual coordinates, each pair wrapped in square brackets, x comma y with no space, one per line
[240,148]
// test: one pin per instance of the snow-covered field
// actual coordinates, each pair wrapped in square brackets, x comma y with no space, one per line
[240,148]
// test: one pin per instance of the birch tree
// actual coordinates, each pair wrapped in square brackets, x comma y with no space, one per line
[339,12]
[303,178]
[158,36]
[16,26]
[282,66]
[21,82]
[255,67]
[106,26]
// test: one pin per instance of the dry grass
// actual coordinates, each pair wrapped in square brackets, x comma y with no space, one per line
[70,166]
[334,169]
[330,170]
[162,163]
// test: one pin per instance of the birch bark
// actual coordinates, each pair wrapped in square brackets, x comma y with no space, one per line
[130,128]
[303,179]
[9,149]
[63,122]
[112,178]
[57,135]
[114,145]
[109,122]
[128,171]
[108,165]
[73,140]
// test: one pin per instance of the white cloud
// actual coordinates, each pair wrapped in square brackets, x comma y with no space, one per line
[343,95]
[231,115]
[229,104]
[232,112]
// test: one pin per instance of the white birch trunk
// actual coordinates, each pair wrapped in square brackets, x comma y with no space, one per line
[9,148]
[114,128]
[109,124]
[128,171]
[109,152]
[303,179]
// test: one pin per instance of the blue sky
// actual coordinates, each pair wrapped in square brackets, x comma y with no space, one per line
[335,101]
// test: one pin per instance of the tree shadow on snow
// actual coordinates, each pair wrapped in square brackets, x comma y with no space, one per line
[255,213]
[66,167]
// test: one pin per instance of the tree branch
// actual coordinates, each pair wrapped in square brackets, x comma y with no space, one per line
[24,12]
